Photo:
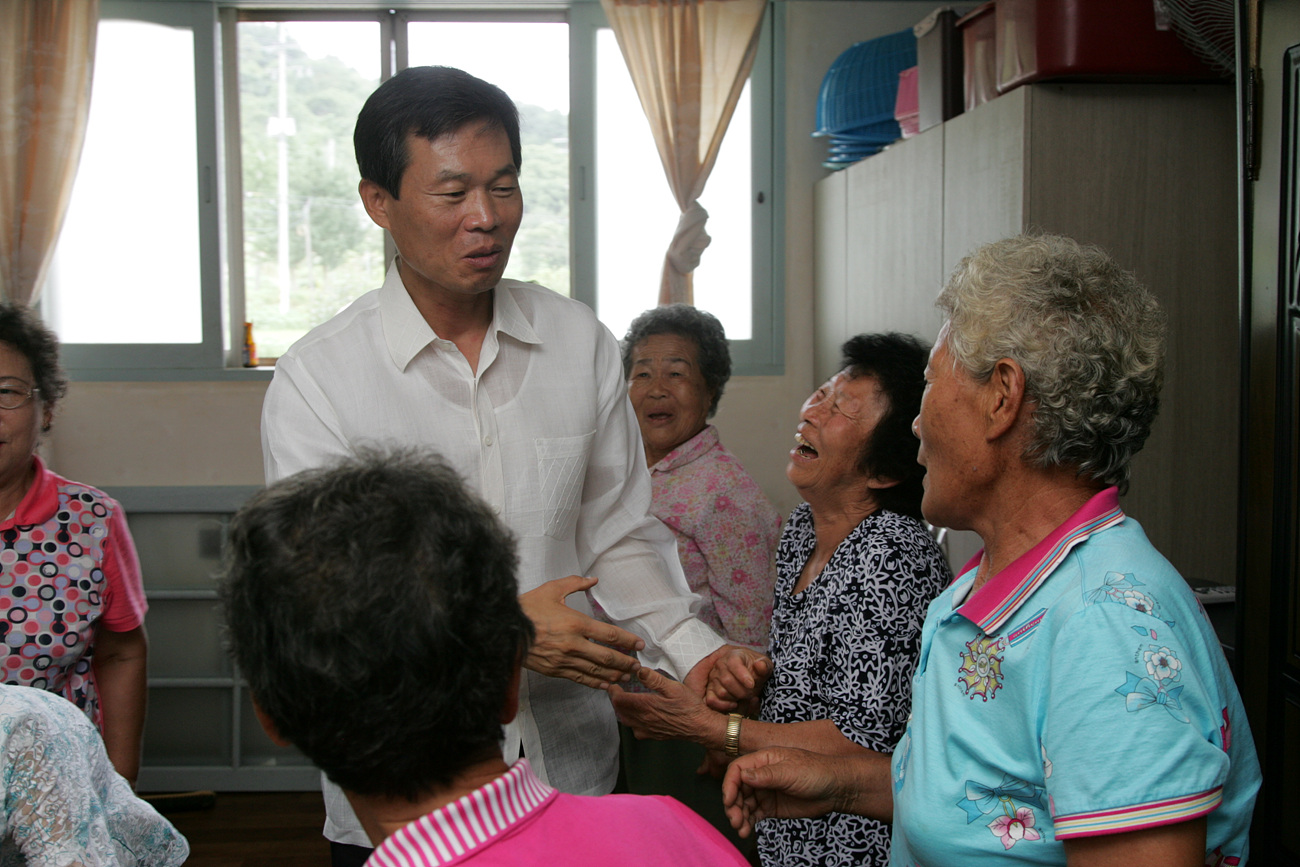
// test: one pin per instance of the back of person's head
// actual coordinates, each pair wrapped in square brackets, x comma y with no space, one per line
[373,608]
[427,102]
[897,362]
[1089,337]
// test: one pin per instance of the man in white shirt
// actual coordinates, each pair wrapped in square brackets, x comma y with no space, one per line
[521,391]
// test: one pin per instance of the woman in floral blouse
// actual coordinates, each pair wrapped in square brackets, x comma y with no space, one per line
[856,570]
[677,363]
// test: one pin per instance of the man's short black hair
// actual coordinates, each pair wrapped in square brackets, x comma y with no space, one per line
[373,608]
[897,361]
[428,102]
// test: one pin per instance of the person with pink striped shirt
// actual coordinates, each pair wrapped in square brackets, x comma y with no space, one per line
[373,608]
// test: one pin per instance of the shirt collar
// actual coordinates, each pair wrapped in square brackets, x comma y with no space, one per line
[40,500]
[694,448]
[475,820]
[407,334]
[992,605]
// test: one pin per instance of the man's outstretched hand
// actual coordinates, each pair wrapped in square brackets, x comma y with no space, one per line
[566,640]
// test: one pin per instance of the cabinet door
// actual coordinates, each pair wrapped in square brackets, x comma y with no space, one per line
[983,176]
[1146,173]
[830,322]
[895,203]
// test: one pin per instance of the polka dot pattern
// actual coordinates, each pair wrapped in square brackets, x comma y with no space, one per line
[51,596]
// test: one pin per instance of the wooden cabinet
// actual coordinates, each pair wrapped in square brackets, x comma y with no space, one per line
[1144,171]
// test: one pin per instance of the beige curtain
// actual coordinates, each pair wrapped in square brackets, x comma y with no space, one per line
[47,50]
[689,60]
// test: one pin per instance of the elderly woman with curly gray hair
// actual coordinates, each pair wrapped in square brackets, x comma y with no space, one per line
[677,364]
[1071,704]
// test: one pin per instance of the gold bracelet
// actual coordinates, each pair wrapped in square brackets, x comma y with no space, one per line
[731,743]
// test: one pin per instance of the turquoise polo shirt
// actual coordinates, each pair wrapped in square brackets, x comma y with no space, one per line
[1080,691]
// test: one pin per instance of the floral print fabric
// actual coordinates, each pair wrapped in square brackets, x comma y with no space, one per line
[844,649]
[1081,691]
[63,802]
[727,533]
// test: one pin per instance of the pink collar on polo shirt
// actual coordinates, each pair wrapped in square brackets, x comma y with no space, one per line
[993,604]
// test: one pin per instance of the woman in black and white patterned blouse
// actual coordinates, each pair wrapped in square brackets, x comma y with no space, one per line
[856,570]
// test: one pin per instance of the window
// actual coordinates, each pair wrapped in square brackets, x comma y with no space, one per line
[136,278]
[637,214]
[151,280]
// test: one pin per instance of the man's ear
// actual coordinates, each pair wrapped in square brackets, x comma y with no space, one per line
[511,707]
[375,199]
[1005,397]
[267,725]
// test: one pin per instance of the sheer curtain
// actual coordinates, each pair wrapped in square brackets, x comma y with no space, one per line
[689,60]
[47,50]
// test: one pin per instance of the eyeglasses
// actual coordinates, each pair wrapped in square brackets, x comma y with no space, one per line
[15,393]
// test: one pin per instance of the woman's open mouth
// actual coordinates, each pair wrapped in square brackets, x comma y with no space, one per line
[802,448]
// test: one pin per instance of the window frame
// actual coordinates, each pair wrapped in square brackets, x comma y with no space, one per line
[219,172]
[109,361]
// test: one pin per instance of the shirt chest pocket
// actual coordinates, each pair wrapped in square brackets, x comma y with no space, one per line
[561,470]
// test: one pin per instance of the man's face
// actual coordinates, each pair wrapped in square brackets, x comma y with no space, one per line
[458,213]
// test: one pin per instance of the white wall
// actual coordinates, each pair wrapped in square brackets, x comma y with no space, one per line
[206,433]
[757,416]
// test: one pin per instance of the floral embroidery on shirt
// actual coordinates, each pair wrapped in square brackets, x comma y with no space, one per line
[1121,588]
[1218,859]
[1225,731]
[981,668]
[981,799]
[1157,688]
[1014,828]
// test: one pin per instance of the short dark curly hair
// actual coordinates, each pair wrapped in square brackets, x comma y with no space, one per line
[684,320]
[23,330]
[373,608]
[897,361]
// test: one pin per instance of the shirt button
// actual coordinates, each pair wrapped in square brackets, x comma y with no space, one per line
[487,440]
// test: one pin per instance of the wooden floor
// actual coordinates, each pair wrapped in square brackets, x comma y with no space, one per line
[244,829]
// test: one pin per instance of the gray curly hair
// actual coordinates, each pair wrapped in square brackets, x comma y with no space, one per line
[683,320]
[1089,337]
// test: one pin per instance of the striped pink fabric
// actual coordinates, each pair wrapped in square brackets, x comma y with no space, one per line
[462,826]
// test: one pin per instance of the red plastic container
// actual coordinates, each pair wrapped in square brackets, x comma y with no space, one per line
[1088,39]
[979,54]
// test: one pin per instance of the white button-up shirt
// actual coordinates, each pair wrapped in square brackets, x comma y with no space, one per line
[543,431]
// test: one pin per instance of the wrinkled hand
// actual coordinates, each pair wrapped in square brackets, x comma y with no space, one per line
[565,643]
[787,783]
[671,711]
[779,782]
[736,679]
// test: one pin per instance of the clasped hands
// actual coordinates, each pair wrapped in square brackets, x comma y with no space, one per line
[569,644]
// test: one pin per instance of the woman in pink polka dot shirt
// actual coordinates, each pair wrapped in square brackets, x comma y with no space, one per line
[71,601]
